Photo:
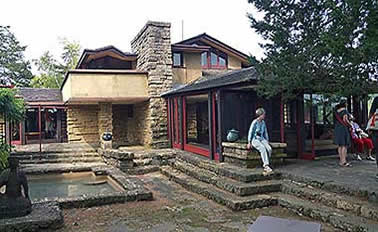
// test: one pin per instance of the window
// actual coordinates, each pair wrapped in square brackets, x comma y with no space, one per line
[222,62]
[177,59]
[214,59]
[204,59]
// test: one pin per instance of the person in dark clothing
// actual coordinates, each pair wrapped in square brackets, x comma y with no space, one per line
[374,107]
[342,136]
[372,126]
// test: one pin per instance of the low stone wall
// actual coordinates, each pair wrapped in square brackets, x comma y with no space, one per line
[238,154]
[117,158]
[44,216]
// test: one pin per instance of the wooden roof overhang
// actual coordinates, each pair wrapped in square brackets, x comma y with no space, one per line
[213,42]
[114,100]
[190,48]
[239,80]
[89,54]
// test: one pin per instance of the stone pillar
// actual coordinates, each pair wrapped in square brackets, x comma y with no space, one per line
[153,46]
[105,122]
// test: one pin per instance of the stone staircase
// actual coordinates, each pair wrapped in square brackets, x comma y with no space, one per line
[147,161]
[68,155]
[241,188]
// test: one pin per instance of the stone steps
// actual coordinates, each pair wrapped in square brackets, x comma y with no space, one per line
[220,196]
[141,170]
[54,155]
[344,202]
[227,170]
[62,160]
[227,184]
[142,162]
[339,219]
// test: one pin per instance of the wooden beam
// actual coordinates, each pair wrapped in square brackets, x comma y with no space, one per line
[210,115]
[220,101]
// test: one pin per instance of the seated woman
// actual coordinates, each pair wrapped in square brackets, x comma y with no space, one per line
[361,139]
[259,139]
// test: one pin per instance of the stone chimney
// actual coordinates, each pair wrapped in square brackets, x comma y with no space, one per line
[153,46]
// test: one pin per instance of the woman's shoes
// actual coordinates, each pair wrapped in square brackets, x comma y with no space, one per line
[346,164]
[371,158]
[357,157]
[267,170]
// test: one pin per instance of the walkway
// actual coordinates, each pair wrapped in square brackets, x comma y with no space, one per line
[358,179]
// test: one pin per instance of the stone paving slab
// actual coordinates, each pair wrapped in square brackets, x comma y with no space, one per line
[358,180]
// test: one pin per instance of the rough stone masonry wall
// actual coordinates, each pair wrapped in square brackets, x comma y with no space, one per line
[153,46]
[105,118]
[139,132]
[120,125]
[82,124]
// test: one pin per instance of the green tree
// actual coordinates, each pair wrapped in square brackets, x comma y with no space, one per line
[51,71]
[319,46]
[14,69]
[13,108]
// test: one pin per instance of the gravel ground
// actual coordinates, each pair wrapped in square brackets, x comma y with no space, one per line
[173,209]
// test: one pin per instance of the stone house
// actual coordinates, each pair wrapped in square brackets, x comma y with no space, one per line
[121,93]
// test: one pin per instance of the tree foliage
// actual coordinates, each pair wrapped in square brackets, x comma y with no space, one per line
[11,106]
[51,71]
[318,46]
[14,69]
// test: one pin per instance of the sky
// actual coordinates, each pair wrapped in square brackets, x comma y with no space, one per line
[39,24]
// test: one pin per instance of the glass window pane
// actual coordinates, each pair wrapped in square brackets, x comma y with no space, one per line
[204,59]
[214,59]
[222,61]
[176,59]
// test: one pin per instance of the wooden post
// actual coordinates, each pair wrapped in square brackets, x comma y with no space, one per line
[210,114]
[282,123]
[300,120]
[312,127]
[181,121]
[220,124]
[40,128]
[169,122]
[59,125]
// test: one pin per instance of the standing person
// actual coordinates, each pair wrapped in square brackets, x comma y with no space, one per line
[372,126]
[342,135]
[361,140]
[259,139]
[374,107]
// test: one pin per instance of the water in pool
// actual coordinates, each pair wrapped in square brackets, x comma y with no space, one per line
[69,185]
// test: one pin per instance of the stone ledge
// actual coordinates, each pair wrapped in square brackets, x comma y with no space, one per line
[238,154]
[133,190]
[337,218]
[44,216]
[243,146]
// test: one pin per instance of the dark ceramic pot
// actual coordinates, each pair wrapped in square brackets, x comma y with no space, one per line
[107,136]
[232,135]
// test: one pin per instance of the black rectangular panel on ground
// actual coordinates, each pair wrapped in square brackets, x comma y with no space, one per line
[272,224]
